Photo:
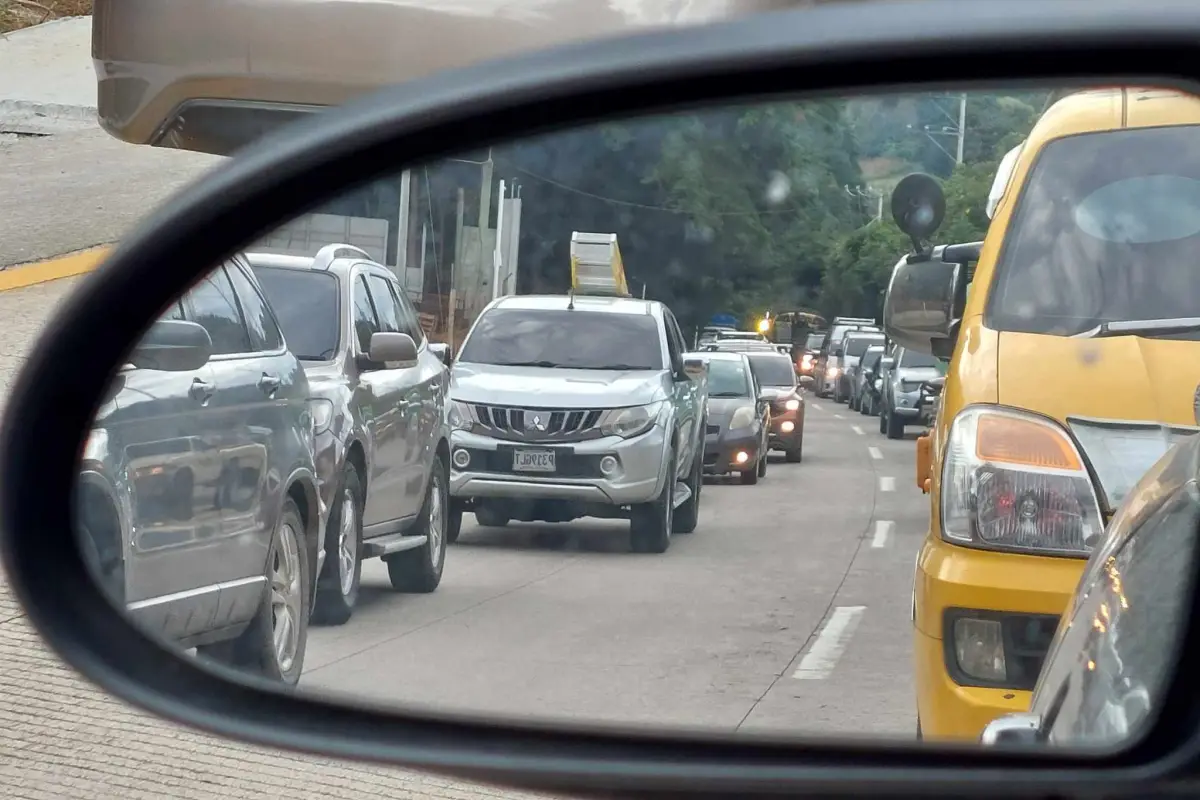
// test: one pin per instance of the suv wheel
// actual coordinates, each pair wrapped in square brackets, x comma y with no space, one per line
[688,514]
[337,591]
[883,415]
[420,570]
[796,454]
[762,464]
[273,645]
[650,523]
[895,426]
[489,517]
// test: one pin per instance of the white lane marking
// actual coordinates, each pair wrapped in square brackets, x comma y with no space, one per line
[857,430]
[876,453]
[823,656]
[883,529]
[838,416]
[817,407]
[887,484]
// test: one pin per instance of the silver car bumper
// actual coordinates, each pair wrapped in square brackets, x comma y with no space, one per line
[578,474]
[906,403]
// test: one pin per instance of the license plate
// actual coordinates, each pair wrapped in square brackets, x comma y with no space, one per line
[533,461]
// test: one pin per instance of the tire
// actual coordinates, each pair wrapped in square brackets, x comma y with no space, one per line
[883,420]
[337,588]
[796,454]
[749,477]
[895,426]
[490,518]
[762,466]
[103,557]
[454,522]
[853,403]
[419,571]
[688,515]
[285,601]
[650,523]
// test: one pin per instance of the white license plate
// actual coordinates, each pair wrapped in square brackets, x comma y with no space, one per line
[533,461]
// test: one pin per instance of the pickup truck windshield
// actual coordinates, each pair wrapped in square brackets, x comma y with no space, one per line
[727,378]
[1107,229]
[565,339]
[306,306]
[773,370]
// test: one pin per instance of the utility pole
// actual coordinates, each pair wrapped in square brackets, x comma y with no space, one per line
[962,125]
[485,213]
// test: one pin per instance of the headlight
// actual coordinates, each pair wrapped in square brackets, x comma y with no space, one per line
[878,384]
[792,405]
[806,360]
[630,422]
[742,418]
[459,416]
[1013,481]
[322,414]
[832,372]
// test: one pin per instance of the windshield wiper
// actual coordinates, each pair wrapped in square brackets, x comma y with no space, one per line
[1140,327]
[726,394]
[617,367]
[546,364]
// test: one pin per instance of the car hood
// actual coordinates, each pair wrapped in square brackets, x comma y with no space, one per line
[914,374]
[773,392]
[554,388]
[1125,399]
[720,409]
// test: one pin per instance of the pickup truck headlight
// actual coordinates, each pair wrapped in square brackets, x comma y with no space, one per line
[459,416]
[742,418]
[1014,481]
[632,421]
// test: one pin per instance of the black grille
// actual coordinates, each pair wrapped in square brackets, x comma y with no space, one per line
[567,463]
[709,430]
[539,424]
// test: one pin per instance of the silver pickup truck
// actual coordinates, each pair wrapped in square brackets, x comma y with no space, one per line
[566,407]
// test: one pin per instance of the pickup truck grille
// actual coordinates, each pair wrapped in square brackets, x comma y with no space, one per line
[539,424]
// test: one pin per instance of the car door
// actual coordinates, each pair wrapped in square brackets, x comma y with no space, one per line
[162,435]
[390,498]
[683,396]
[427,392]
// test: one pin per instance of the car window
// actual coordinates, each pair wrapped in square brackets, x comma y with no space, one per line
[674,340]
[728,377]
[213,304]
[265,335]
[306,303]
[366,322]
[772,370]
[559,338]
[410,321]
[858,345]
[386,305]
[910,358]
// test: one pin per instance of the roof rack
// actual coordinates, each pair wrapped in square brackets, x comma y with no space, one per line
[331,252]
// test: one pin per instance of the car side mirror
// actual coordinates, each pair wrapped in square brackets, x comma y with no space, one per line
[173,345]
[695,368]
[442,351]
[887,363]
[1016,729]
[395,350]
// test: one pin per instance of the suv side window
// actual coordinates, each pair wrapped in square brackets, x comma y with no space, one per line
[365,320]
[213,303]
[265,335]
[674,341]
[409,319]
[385,305]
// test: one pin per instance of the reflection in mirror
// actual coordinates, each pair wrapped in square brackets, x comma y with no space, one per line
[618,425]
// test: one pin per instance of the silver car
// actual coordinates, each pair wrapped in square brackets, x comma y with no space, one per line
[571,407]
[905,371]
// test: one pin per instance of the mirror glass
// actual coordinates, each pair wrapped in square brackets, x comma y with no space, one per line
[428,446]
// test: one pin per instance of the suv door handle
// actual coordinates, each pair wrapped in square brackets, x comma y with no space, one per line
[268,383]
[201,390]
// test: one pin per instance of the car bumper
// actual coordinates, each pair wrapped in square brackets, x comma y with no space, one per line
[720,453]
[905,404]
[578,474]
[779,439]
[1031,591]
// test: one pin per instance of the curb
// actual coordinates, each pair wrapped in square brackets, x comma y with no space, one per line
[19,276]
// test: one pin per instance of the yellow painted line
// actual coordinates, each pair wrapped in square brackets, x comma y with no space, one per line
[19,276]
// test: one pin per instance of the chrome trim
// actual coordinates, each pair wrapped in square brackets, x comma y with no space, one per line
[199,591]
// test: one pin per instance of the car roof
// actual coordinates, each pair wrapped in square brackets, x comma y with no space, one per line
[720,355]
[313,263]
[560,302]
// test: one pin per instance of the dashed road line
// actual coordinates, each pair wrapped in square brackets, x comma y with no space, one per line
[887,484]
[816,407]
[838,416]
[857,430]
[883,531]
[876,453]
[822,657]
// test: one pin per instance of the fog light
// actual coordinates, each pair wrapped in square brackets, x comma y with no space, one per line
[462,458]
[608,465]
[742,457]
[979,648]
[788,427]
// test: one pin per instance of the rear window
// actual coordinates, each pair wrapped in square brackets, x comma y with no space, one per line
[858,345]
[306,305]
[871,358]
[1107,228]
[728,378]
[773,370]
[910,359]
[815,340]
[566,339]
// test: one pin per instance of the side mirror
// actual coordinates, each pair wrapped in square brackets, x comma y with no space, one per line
[1012,729]
[887,363]
[173,345]
[442,351]
[396,350]
[695,368]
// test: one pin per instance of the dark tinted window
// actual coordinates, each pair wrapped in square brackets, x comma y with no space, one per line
[307,306]
[1107,228]
[386,305]
[213,304]
[870,359]
[773,370]
[728,378]
[577,339]
[815,340]
[365,321]
[264,332]
[910,359]
[858,345]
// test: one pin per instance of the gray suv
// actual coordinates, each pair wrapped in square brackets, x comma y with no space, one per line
[378,391]
[904,372]
[197,500]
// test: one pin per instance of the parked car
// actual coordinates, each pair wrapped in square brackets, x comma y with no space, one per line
[906,370]
[776,376]
[739,419]
[571,406]
[198,496]
[382,441]
[862,390]
[854,346]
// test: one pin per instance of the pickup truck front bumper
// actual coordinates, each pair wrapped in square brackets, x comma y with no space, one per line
[610,472]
